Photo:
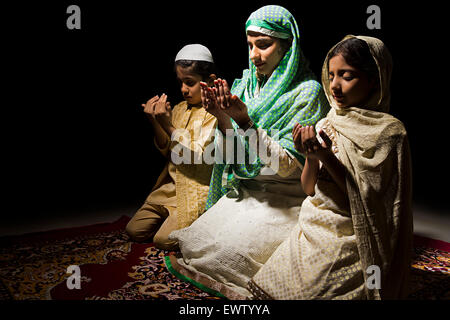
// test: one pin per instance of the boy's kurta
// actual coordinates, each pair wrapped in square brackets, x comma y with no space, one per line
[185,185]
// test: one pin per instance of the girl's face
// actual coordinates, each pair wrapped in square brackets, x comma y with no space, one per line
[265,52]
[190,85]
[349,86]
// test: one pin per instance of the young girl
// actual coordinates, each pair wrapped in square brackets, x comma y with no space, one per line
[353,239]
[179,195]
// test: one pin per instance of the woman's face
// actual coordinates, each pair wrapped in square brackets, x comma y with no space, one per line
[265,52]
[349,86]
[190,85]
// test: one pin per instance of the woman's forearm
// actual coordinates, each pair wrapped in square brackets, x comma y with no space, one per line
[309,176]
[223,124]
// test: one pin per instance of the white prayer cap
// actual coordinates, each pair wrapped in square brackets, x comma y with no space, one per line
[195,52]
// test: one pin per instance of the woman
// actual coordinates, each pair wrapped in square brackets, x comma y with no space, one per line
[253,205]
[353,239]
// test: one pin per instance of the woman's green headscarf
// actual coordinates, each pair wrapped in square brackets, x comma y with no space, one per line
[290,95]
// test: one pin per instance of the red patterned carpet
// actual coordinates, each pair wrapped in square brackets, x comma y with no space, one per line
[34,266]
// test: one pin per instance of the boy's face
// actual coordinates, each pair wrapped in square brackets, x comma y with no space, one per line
[349,86]
[190,85]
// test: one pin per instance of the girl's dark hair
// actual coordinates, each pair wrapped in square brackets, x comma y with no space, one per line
[202,68]
[356,53]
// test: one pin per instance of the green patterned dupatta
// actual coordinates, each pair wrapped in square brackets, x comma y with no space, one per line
[290,95]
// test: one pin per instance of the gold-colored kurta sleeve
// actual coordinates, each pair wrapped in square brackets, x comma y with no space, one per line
[166,148]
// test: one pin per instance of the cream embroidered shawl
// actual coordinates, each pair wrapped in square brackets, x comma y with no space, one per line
[374,148]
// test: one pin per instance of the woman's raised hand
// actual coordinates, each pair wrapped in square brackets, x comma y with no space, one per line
[231,104]
[210,102]
[223,93]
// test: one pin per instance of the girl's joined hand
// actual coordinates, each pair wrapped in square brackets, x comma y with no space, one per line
[297,137]
[312,147]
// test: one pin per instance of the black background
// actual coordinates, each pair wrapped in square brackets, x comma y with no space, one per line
[75,136]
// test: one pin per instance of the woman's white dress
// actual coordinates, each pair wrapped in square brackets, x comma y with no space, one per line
[231,241]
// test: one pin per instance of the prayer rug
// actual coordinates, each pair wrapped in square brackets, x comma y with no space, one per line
[37,266]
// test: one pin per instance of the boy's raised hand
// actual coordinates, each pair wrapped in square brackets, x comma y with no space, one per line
[163,111]
[149,107]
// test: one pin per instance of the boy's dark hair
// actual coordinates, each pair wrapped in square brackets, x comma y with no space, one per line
[202,68]
[356,53]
